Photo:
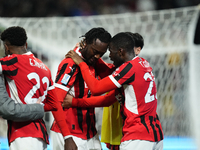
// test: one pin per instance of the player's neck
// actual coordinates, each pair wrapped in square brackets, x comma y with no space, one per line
[129,57]
[19,50]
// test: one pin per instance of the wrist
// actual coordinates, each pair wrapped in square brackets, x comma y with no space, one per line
[80,63]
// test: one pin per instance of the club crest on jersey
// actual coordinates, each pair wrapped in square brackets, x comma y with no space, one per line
[65,79]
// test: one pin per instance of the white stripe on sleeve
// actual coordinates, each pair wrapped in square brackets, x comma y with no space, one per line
[61,87]
[114,81]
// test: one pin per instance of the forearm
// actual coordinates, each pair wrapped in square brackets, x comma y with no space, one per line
[21,112]
[59,115]
[60,120]
[17,112]
[50,103]
[95,101]
[97,87]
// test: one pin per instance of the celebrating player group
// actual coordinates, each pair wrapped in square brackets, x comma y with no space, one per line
[83,81]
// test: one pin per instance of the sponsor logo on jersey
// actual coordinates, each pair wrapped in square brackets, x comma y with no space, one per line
[71,68]
[65,79]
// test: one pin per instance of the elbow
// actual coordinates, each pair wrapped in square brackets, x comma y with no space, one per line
[53,109]
[8,114]
[50,108]
[95,92]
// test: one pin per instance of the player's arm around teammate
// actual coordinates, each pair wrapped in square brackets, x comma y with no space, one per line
[134,76]
[18,112]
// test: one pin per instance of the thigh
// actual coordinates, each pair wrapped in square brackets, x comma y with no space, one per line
[80,143]
[137,145]
[90,144]
[57,141]
[28,143]
[159,145]
[94,143]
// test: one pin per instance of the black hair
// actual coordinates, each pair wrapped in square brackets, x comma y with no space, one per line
[14,35]
[123,40]
[139,41]
[97,33]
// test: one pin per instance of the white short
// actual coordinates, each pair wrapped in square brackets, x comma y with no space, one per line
[28,143]
[82,144]
[141,144]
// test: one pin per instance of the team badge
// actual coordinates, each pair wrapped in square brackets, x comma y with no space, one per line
[65,79]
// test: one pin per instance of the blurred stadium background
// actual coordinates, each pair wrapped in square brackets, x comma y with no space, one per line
[171,31]
[52,8]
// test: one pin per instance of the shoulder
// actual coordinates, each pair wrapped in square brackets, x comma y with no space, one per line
[67,65]
[9,57]
[138,60]
[129,65]
[143,63]
[67,62]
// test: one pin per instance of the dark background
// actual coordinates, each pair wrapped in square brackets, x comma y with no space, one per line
[50,8]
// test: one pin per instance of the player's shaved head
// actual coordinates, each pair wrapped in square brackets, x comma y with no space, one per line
[123,40]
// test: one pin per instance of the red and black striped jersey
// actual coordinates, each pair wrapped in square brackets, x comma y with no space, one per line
[27,79]
[138,98]
[81,121]
[140,94]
